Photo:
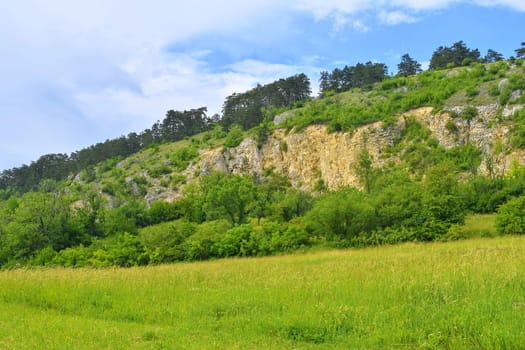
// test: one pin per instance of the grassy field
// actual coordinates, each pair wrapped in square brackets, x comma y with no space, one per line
[458,295]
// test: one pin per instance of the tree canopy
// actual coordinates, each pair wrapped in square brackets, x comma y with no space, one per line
[456,55]
[408,66]
[360,75]
[520,52]
[247,109]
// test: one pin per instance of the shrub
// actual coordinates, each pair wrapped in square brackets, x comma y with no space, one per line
[162,211]
[237,241]
[182,157]
[292,238]
[510,218]
[160,170]
[234,137]
[163,243]
[341,214]
[451,127]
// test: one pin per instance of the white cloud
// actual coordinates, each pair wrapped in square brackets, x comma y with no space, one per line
[388,12]
[513,4]
[77,72]
[326,8]
[393,18]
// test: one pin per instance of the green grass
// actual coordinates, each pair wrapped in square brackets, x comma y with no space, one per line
[480,225]
[458,295]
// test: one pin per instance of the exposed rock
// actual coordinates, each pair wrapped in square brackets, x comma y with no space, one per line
[315,154]
[308,156]
[278,119]
[510,110]
[503,84]
[515,96]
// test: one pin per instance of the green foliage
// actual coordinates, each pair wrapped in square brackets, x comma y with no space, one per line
[102,221]
[234,137]
[361,75]
[454,56]
[248,109]
[364,170]
[346,111]
[161,211]
[511,216]
[159,171]
[295,203]
[341,214]
[229,196]
[238,241]
[182,157]
[283,146]
[408,66]
[164,243]
[262,132]
[451,127]
[517,131]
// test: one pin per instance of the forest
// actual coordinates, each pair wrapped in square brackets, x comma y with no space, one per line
[84,209]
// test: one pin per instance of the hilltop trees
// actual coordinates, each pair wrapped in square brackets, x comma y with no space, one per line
[177,124]
[247,109]
[521,51]
[361,75]
[456,55]
[492,56]
[408,66]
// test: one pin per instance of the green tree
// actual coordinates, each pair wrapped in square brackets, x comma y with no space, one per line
[408,66]
[230,197]
[364,169]
[295,203]
[456,55]
[343,214]
[468,114]
[521,51]
[493,56]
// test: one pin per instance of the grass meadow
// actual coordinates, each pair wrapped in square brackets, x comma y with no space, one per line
[457,295]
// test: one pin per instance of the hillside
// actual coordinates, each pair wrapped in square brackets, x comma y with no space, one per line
[306,149]
[404,159]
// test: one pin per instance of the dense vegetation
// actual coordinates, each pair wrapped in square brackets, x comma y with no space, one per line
[361,75]
[247,109]
[100,216]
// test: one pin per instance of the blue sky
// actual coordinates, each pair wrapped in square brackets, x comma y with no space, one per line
[74,73]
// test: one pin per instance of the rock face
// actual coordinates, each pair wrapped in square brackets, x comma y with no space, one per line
[314,154]
[306,157]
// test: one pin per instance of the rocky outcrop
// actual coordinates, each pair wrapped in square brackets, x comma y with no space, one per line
[314,155]
[304,157]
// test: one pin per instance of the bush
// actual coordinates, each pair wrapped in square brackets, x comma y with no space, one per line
[292,238]
[73,257]
[123,250]
[182,157]
[163,243]
[160,170]
[341,214]
[237,241]
[162,211]
[234,137]
[511,217]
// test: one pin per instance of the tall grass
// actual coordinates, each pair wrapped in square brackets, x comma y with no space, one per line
[458,295]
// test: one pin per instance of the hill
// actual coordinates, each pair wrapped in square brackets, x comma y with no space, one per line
[399,160]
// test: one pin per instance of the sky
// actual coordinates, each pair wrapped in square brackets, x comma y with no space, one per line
[75,73]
